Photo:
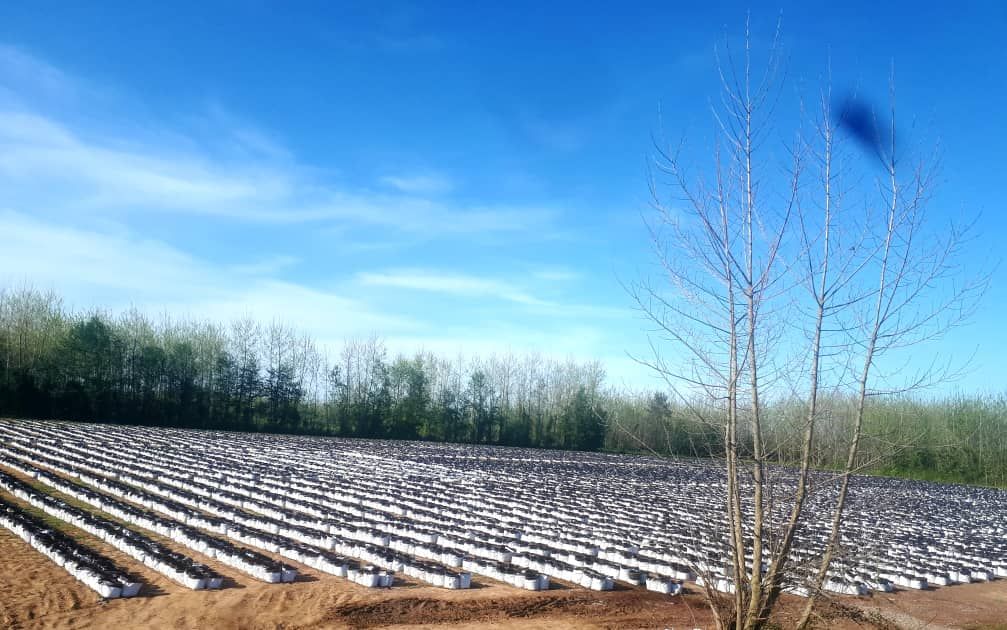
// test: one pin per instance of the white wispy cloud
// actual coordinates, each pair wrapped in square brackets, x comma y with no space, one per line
[240,135]
[35,150]
[60,171]
[266,266]
[117,270]
[424,216]
[449,283]
[22,71]
[482,286]
[556,274]
[217,166]
[43,159]
[419,184]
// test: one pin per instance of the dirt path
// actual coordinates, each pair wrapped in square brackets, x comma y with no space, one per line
[961,606]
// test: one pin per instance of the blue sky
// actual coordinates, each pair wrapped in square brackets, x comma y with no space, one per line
[449,176]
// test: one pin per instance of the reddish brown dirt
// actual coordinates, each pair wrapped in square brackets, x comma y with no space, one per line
[35,593]
[979,605]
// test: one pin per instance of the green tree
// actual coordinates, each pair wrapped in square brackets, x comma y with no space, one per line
[411,386]
[282,398]
[480,406]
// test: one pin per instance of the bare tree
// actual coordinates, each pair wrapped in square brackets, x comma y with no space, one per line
[920,293]
[767,275]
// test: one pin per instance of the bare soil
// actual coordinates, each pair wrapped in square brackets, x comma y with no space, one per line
[35,593]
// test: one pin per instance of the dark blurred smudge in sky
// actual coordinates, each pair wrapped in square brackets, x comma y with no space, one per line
[868,126]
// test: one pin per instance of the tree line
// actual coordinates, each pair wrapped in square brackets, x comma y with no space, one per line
[247,376]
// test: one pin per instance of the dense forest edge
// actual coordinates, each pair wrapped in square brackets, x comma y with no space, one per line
[129,368]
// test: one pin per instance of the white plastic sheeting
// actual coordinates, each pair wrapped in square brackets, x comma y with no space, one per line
[88,566]
[435,511]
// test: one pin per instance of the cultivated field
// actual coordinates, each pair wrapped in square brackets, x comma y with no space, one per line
[311,532]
